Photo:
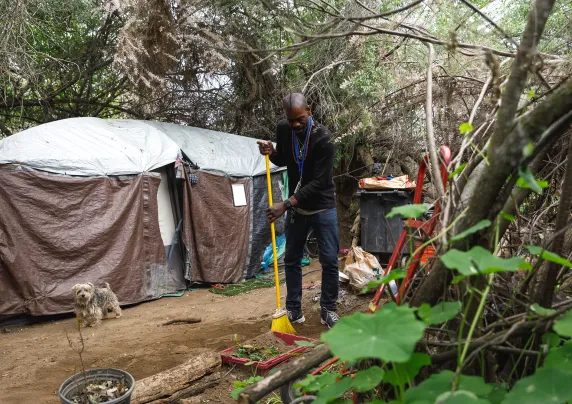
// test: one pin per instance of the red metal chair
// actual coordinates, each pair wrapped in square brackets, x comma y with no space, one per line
[425,227]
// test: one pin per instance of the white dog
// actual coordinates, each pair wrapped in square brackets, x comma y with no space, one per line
[92,304]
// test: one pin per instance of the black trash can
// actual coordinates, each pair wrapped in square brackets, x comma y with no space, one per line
[379,234]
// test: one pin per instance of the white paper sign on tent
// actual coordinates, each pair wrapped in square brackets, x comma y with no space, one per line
[238,195]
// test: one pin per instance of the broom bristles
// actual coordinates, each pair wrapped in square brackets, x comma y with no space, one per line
[281,323]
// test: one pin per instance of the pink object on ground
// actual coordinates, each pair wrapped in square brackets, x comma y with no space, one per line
[289,339]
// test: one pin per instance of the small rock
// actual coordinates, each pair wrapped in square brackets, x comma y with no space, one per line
[181,349]
[191,400]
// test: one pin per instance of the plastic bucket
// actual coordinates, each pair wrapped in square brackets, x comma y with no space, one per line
[73,385]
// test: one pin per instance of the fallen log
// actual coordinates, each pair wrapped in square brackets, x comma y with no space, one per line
[180,381]
[195,389]
[191,320]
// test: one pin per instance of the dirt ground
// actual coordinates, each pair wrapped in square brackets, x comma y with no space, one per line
[37,359]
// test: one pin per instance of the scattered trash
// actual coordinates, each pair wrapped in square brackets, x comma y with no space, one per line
[361,268]
[268,258]
[388,182]
[101,392]
[311,286]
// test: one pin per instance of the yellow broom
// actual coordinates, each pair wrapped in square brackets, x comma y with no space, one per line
[280,321]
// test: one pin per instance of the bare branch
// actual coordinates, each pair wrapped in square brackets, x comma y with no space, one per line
[331,65]
[434,166]
[491,22]
[377,30]
[381,15]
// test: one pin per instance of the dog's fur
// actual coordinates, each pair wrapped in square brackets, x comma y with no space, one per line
[92,304]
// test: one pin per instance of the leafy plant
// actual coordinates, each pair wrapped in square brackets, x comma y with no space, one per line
[240,385]
[408,211]
[391,334]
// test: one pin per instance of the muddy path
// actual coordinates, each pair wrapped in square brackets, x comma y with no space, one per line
[37,359]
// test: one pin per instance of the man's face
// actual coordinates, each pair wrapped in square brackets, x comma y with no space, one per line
[298,118]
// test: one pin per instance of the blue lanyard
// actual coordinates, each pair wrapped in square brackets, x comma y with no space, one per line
[301,159]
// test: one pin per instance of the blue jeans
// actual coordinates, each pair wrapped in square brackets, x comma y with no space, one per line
[325,225]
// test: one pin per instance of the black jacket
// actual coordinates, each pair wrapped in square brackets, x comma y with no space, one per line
[318,190]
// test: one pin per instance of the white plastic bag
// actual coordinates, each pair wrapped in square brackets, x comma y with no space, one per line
[362,268]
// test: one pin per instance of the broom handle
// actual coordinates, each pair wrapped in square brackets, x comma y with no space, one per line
[273,232]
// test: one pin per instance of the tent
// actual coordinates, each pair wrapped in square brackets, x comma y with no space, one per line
[148,207]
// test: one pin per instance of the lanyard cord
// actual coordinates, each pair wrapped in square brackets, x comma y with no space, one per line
[295,148]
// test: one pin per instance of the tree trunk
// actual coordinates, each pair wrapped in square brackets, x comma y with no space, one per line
[488,185]
[542,288]
[167,385]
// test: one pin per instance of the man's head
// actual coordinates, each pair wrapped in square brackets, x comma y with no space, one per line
[297,111]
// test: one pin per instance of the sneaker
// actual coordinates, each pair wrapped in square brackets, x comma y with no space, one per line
[296,316]
[329,318]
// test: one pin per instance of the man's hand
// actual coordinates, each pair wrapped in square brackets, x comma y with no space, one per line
[266,148]
[275,211]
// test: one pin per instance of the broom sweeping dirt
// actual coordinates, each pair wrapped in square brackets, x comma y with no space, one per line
[280,321]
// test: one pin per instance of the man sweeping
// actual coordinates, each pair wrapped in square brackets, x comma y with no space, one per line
[305,147]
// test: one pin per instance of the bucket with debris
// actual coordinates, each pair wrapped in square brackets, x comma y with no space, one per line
[110,386]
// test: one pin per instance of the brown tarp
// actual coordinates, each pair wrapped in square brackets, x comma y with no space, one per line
[216,233]
[56,231]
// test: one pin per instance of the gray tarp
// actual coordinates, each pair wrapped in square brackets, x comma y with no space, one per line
[216,232]
[99,147]
[260,226]
[92,230]
[89,147]
[217,152]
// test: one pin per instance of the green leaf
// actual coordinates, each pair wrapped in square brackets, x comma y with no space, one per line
[551,339]
[548,256]
[508,217]
[440,313]
[527,180]
[531,94]
[460,397]
[403,373]
[315,383]
[437,384]
[236,392]
[563,326]
[304,343]
[483,224]
[390,334]
[368,379]
[497,395]
[332,391]
[465,128]
[249,363]
[545,386]
[475,384]
[430,389]
[457,171]
[480,261]
[392,276]
[408,211]
[528,149]
[541,311]
[560,358]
